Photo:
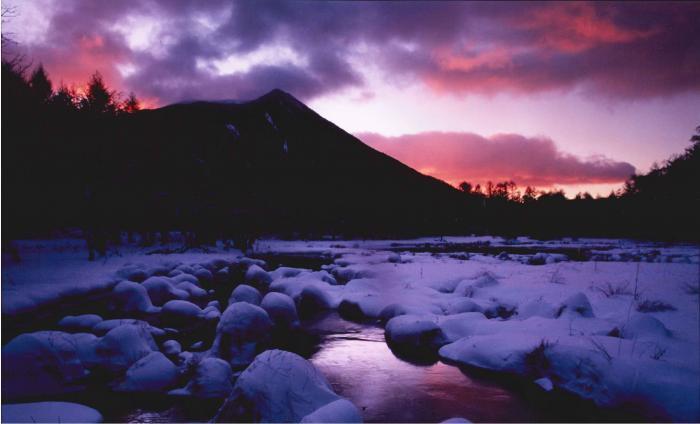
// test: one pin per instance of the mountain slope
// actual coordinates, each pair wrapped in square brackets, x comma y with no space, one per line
[271,164]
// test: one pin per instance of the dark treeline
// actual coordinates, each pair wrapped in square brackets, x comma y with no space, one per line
[86,158]
[661,204]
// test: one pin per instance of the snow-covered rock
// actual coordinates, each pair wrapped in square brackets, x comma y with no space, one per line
[106,326]
[390,311]
[245,293]
[286,272]
[180,312]
[414,334]
[463,305]
[338,411]
[281,310]
[48,412]
[193,290]
[204,275]
[281,386]
[314,299]
[128,296]
[41,363]
[75,323]
[241,329]
[123,346]
[161,290]
[211,313]
[152,373]
[133,272]
[185,278]
[172,348]
[212,379]
[258,277]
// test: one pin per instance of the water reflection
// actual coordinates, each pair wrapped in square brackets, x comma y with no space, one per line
[361,367]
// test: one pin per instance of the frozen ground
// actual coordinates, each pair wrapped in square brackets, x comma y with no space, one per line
[620,328]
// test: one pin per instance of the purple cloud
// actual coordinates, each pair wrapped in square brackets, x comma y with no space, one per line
[617,50]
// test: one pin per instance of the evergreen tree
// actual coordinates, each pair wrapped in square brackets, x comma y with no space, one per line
[131,104]
[98,100]
[41,85]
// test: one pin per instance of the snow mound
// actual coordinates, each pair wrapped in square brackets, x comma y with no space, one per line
[152,373]
[258,277]
[172,348]
[185,278]
[642,326]
[49,412]
[76,323]
[133,272]
[281,386]
[193,290]
[281,310]
[128,296]
[286,272]
[463,305]
[313,299]
[212,379]
[537,308]
[502,353]
[123,346]
[576,305]
[414,334]
[391,311]
[204,275]
[180,312]
[339,411]
[106,326]
[245,293]
[41,363]
[241,329]
[160,290]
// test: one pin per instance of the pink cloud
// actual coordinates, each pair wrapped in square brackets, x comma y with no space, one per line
[457,156]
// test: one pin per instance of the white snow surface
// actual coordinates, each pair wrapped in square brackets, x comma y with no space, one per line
[490,311]
[49,412]
[284,387]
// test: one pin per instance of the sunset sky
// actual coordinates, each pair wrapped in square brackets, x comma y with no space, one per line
[572,95]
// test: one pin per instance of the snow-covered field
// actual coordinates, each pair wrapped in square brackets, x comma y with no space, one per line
[620,328]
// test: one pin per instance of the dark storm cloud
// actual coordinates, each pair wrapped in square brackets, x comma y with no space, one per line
[615,50]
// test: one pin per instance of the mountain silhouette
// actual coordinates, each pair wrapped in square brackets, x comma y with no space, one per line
[272,163]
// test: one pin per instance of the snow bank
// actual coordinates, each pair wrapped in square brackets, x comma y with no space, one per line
[281,386]
[49,412]
[41,363]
